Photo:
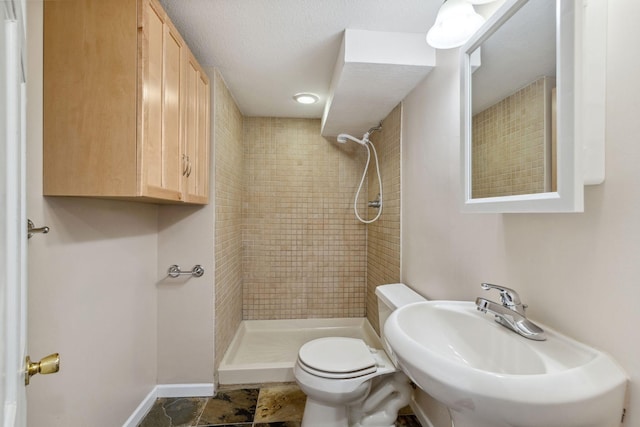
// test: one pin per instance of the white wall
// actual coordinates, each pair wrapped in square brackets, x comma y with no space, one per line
[579,273]
[92,294]
[186,304]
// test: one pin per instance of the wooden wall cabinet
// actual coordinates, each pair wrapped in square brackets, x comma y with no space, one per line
[126,105]
[197,132]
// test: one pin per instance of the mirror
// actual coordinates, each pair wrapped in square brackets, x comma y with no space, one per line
[518,111]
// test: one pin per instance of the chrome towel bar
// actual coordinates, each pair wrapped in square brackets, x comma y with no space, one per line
[174,271]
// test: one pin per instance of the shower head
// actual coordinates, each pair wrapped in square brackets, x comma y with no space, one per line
[343,137]
[375,129]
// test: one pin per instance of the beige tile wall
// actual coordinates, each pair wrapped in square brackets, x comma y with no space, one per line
[509,140]
[227,130]
[383,240]
[287,242]
[304,251]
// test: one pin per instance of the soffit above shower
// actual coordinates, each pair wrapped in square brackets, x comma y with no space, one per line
[373,73]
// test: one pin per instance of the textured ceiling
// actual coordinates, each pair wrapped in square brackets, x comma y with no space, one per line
[269,50]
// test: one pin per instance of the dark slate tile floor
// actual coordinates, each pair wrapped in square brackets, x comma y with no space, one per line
[276,405]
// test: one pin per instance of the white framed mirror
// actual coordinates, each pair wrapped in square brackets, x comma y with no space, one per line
[521,149]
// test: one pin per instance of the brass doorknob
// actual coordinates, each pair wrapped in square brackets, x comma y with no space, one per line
[47,365]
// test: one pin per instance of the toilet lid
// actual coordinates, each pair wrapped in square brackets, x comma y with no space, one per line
[344,357]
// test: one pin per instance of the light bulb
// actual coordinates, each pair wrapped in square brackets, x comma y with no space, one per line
[456,22]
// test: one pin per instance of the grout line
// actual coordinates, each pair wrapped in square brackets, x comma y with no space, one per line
[201,412]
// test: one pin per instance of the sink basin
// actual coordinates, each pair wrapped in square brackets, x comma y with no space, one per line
[489,376]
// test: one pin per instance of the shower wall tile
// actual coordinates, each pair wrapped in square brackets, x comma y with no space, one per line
[383,240]
[511,144]
[228,229]
[304,251]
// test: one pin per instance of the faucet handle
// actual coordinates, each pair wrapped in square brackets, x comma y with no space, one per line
[508,296]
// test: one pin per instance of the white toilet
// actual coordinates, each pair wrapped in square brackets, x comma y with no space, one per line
[349,384]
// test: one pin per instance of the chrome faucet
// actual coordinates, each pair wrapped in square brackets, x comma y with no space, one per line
[511,313]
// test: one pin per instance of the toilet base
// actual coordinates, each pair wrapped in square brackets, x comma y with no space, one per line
[387,396]
[375,406]
[317,414]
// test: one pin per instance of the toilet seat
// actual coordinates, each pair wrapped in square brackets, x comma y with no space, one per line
[337,358]
[334,375]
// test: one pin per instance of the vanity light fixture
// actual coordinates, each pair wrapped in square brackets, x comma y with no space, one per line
[456,22]
[306,98]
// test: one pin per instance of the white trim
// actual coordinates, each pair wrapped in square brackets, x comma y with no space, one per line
[167,390]
[185,390]
[420,414]
[142,409]
[401,172]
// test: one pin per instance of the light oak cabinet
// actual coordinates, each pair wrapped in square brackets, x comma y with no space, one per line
[126,105]
[197,132]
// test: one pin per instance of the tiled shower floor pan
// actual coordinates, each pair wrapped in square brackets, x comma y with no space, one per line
[264,351]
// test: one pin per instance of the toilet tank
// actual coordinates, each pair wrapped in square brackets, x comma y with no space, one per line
[391,297]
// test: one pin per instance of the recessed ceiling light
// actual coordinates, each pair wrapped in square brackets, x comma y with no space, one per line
[306,98]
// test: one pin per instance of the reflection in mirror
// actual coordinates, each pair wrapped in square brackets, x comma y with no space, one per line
[512,107]
[519,153]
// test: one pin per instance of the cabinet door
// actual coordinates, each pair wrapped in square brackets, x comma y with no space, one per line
[204,138]
[90,98]
[161,171]
[196,133]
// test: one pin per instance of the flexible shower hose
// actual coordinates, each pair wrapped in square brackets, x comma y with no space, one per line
[364,174]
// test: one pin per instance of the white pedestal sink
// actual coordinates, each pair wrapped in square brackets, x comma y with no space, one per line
[489,376]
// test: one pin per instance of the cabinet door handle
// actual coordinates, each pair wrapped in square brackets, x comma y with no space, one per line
[189,169]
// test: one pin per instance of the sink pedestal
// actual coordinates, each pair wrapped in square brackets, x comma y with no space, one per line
[463,420]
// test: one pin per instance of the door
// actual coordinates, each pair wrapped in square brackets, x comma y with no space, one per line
[191,128]
[203,140]
[161,141]
[196,119]
[13,225]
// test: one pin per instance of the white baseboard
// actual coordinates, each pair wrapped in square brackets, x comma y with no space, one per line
[167,390]
[143,408]
[185,390]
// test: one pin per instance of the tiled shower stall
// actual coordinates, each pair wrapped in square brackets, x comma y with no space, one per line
[287,243]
